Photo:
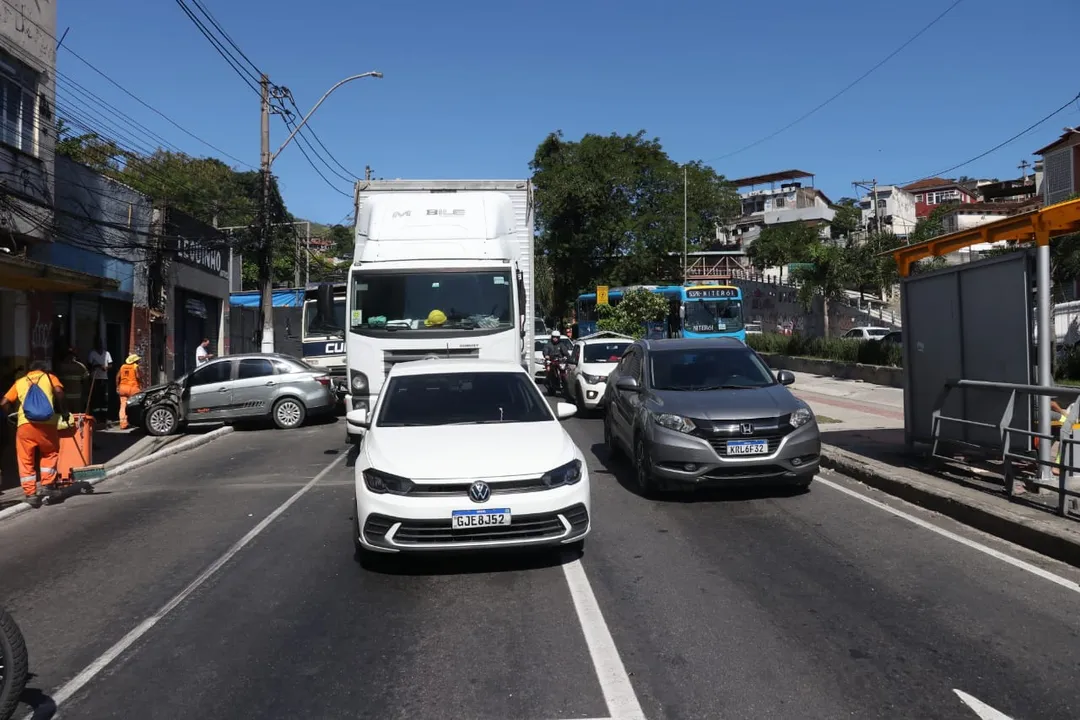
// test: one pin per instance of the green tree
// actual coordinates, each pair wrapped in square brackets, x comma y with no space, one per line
[90,149]
[874,272]
[833,269]
[779,245]
[638,307]
[344,239]
[848,219]
[609,210]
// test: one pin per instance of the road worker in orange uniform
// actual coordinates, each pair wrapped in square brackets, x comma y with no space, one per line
[127,384]
[38,436]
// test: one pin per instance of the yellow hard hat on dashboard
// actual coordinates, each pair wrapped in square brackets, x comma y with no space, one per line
[435,317]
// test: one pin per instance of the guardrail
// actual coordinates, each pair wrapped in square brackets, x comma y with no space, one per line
[1066,437]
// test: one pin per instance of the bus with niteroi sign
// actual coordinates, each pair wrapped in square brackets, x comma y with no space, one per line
[693,311]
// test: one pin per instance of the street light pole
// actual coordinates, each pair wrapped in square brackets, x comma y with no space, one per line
[266,303]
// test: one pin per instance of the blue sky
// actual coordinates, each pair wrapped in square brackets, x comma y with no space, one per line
[471,88]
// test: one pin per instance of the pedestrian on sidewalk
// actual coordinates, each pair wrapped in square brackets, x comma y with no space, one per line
[202,353]
[100,362]
[127,384]
[40,397]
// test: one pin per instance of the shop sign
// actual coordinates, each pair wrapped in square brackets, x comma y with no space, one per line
[195,252]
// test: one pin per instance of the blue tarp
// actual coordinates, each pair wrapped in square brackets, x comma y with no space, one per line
[282,298]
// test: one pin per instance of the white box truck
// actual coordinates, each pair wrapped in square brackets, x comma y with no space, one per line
[442,268]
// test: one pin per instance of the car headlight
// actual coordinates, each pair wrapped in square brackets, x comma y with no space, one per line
[136,399]
[381,482]
[800,417]
[593,379]
[567,474]
[674,422]
[358,382]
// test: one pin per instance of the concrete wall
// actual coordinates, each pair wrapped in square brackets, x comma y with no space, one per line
[876,374]
[777,308]
[28,58]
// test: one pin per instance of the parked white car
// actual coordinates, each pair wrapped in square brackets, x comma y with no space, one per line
[466,454]
[866,333]
[591,361]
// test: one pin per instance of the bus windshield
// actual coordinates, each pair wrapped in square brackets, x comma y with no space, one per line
[318,327]
[713,316]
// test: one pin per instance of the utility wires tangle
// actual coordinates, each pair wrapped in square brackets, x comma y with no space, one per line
[1000,145]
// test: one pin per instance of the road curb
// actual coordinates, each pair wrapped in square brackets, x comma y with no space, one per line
[1022,526]
[111,472]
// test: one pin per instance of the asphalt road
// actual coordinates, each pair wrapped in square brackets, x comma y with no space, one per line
[820,605]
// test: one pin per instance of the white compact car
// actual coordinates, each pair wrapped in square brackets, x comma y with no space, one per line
[591,361]
[465,454]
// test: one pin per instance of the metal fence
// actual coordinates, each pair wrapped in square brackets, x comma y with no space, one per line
[1016,398]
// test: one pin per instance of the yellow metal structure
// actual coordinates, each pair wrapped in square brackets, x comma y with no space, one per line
[1038,226]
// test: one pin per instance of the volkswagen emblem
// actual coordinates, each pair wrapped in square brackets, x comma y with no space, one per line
[747,429]
[479,491]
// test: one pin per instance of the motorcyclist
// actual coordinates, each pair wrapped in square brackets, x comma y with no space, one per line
[556,348]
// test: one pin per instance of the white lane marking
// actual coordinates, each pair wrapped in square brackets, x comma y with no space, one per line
[615,683]
[80,680]
[984,711]
[1015,562]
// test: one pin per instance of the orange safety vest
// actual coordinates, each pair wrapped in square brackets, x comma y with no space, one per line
[127,383]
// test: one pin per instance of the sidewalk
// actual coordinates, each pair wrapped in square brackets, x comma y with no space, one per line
[112,447]
[862,433]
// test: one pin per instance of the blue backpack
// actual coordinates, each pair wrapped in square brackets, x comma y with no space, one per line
[36,405]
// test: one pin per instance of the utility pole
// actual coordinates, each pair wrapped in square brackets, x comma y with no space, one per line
[367,172]
[685,255]
[871,185]
[1024,165]
[266,278]
[307,257]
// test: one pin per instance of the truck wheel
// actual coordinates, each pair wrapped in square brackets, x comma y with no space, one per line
[162,420]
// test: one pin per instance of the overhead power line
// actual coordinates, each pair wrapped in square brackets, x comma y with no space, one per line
[1000,145]
[300,145]
[219,46]
[124,90]
[351,175]
[850,85]
[213,21]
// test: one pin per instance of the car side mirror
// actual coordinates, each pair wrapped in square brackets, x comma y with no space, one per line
[564,410]
[358,418]
[785,377]
[628,384]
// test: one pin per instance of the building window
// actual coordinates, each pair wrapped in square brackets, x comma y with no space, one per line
[778,202]
[18,109]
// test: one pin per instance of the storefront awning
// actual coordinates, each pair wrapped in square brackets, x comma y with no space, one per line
[18,273]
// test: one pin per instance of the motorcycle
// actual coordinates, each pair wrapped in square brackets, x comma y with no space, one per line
[14,665]
[555,375]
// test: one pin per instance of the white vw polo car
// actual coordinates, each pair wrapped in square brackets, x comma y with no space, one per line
[466,454]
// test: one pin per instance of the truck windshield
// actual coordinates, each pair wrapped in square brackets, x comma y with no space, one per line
[713,316]
[425,301]
[318,327]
